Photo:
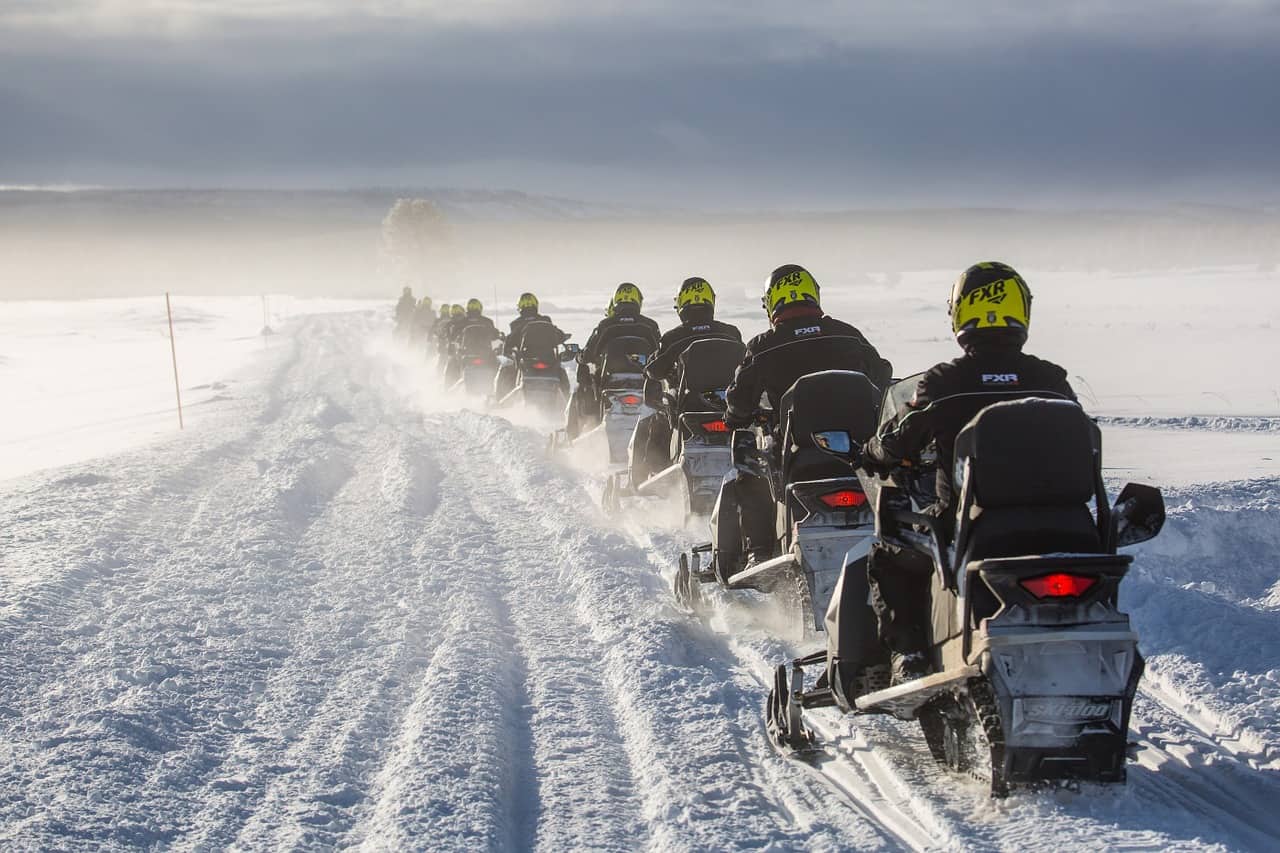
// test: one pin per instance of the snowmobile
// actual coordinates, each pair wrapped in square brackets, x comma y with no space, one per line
[475,364]
[538,374]
[823,517]
[700,449]
[1035,666]
[621,400]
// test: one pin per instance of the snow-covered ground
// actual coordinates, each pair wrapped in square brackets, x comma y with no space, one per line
[340,609]
[86,378]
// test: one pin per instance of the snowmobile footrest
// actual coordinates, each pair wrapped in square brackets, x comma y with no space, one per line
[659,481]
[819,657]
[903,700]
[763,576]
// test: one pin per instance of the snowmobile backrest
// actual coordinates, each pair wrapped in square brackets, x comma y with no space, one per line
[817,402]
[477,339]
[1028,471]
[539,340]
[705,366]
[620,352]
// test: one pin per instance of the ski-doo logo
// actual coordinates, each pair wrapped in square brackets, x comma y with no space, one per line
[1000,379]
[625,319]
[993,293]
[701,328]
[809,330]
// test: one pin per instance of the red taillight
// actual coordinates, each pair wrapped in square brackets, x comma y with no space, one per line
[715,426]
[843,498]
[539,365]
[477,361]
[631,400]
[1058,585]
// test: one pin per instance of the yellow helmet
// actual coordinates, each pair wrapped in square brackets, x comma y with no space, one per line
[425,303]
[444,310]
[990,300]
[695,291]
[789,284]
[527,302]
[474,306]
[456,310]
[627,293]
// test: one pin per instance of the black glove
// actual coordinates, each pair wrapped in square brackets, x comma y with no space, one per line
[874,466]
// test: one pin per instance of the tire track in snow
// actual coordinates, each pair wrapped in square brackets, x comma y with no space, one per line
[1184,765]
[691,729]
[133,711]
[855,773]
[178,653]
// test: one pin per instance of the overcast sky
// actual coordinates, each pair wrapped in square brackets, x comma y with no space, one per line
[695,102]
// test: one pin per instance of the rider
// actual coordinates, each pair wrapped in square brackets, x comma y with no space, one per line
[457,315]
[990,308]
[624,320]
[527,306]
[439,330]
[424,320]
[695,305]
[472,317]
[801,339]
[404,310]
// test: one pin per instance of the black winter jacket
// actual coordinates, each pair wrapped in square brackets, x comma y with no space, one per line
[804,340]
[951,393]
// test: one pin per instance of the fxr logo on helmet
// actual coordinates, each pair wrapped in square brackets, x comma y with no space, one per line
[993,293]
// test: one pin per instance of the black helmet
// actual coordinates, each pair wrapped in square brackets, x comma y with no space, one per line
[990,302]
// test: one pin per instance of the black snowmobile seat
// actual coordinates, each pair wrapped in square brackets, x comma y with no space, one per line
[705,366]
[818,402]
[1031,468]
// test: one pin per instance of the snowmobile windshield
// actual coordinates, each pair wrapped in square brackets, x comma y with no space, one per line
[898,395]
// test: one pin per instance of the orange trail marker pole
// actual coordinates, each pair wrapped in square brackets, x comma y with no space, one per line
[173,349]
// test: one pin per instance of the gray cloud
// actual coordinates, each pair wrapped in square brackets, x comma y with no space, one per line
[847,104]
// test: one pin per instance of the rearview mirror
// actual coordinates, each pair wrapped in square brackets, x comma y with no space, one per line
[1138,514]
[837,443]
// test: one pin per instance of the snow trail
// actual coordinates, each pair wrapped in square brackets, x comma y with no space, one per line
[346,614]
[333,620]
